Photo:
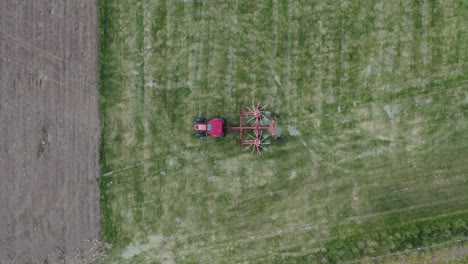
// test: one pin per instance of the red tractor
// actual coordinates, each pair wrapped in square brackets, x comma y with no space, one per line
[213,127]
[253,121]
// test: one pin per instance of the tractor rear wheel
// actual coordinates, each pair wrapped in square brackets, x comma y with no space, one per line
[200,134]
[200,120]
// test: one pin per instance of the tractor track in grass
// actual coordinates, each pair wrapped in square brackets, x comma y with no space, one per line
[153,159]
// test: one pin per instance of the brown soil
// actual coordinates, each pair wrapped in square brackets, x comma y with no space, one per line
[49,131]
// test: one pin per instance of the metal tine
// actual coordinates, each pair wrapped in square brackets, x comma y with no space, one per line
[262,107]
[250,119]
[264,116]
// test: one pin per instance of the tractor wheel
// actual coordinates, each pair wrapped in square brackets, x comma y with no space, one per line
[200,120]
[200,134]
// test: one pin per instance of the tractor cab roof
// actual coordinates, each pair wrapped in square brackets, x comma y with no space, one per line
[214,127]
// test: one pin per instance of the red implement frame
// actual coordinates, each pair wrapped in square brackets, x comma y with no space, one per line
[255,116]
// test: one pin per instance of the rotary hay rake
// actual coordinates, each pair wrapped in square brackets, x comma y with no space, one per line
[253,122]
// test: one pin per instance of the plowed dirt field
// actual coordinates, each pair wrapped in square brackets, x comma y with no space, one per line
[49,131]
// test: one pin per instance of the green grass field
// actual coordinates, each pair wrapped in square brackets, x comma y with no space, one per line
[373,98]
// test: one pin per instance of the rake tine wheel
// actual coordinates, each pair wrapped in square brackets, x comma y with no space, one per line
[253,120]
